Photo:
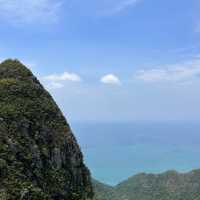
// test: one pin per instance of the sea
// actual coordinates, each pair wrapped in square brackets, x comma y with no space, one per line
[114,151]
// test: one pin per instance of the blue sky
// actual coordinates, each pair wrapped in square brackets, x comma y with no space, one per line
[110,60]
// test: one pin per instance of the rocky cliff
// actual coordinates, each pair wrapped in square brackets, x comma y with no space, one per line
[39,156]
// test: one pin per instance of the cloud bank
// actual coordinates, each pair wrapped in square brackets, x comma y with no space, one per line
[185,71]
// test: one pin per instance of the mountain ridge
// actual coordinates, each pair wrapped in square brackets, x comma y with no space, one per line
[40,158]
[169,185]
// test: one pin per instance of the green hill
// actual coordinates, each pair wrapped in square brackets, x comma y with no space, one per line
[103,191]
[39,156]
[167,186]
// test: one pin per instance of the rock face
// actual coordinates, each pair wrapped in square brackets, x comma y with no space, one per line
[39,156]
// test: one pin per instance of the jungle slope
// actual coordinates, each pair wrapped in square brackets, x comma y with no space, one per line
[39,156]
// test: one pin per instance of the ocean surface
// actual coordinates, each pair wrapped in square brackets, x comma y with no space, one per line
[115,151]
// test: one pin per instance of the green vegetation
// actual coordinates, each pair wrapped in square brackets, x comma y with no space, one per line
[104,192]
[39,156]
[167,186]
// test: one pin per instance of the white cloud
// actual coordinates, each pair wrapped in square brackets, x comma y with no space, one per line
[66,76]
[185,71]
[124,5]
[110,79]
[28,11]
[120,6]
[56,81]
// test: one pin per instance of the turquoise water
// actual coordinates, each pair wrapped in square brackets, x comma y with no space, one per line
[116,151]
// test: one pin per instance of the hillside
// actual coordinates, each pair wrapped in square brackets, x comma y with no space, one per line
[39,156]
[103,191]
[167,186]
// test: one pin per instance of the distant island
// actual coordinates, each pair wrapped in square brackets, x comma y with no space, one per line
[167,186]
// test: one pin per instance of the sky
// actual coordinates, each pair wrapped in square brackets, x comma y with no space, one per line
[110,60]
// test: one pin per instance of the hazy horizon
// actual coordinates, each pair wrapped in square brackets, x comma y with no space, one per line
[115,151]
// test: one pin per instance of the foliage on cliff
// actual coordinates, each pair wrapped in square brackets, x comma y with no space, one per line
[39,156]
